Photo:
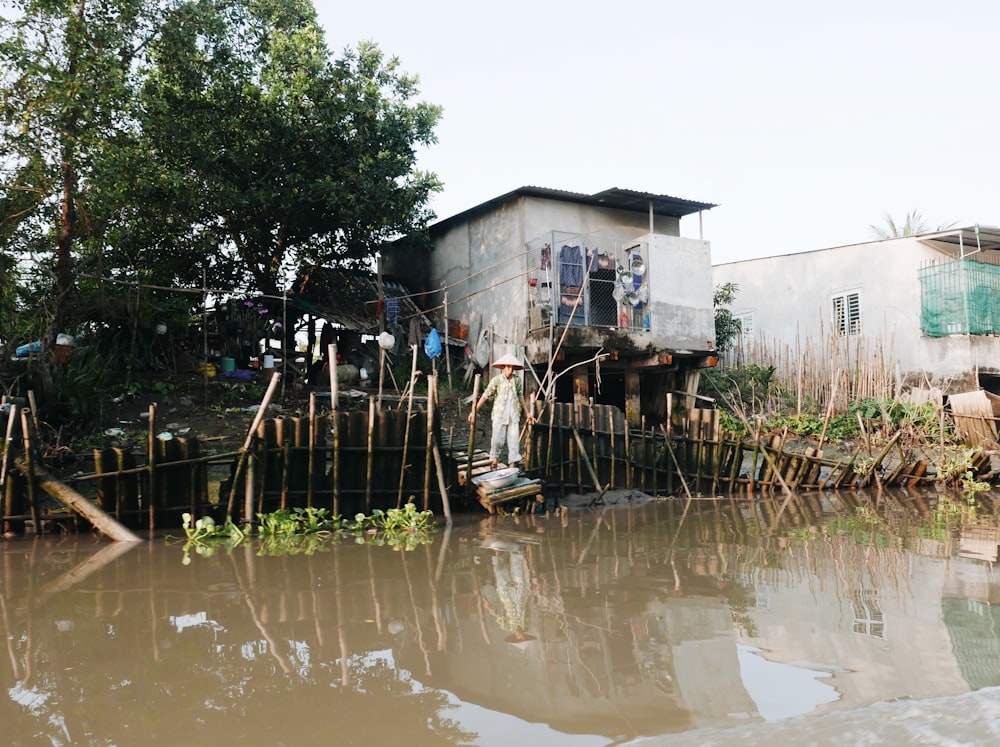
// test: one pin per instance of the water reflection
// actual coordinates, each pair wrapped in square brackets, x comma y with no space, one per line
[597,627]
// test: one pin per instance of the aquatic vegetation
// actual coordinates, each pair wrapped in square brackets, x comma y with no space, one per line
[957,470]
[300,531]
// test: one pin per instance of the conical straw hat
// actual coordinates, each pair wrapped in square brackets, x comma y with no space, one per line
[508,360]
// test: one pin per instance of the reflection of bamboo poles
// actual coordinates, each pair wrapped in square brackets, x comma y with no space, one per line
[338,596]
[439,625]
[416,614]
[272,644]
[15,661]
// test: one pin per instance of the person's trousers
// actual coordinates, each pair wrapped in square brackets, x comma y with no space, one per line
[509,433]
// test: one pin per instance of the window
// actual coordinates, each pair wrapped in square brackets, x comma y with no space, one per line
[746,325]
[868,617]
[847,314]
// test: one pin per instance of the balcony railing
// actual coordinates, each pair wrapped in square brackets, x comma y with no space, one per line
[589,281]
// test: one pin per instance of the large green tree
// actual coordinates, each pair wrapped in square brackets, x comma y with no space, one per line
[67,67]
[288,158]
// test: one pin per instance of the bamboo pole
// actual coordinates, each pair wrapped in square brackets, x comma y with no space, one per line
[548,446]
[335,424]
[371,457]
[249,489]
[248,441]
[29,472]
[472,430]
[381,372]
[590,468]
[406,428]
[7,442]
[152,498]
[312,449]
[58,490]
[445,502]
[431,394]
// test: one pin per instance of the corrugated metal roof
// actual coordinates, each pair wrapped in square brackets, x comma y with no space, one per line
[967,240]
[614,198]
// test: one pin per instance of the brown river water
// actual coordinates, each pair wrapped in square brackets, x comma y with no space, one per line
[836,619]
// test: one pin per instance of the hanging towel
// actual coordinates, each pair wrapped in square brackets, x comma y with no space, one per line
[570,265]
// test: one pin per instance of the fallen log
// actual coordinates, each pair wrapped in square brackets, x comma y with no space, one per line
[66,495]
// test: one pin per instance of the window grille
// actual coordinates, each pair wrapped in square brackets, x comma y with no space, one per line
[847,314]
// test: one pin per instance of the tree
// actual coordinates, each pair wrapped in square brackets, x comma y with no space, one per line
[67,71]
[912,225]
[288,159]
[727,327]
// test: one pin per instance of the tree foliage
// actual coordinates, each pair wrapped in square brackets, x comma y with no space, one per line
[287,159]
[727,327]
[174,142]
[913,225]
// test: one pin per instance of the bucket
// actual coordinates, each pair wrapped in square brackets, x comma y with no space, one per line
[228,365]
[268,361]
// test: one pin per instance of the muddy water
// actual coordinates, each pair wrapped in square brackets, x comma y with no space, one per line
[838,620]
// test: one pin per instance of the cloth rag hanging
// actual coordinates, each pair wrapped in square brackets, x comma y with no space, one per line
[570,266]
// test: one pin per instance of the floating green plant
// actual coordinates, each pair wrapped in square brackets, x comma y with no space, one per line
[305,531]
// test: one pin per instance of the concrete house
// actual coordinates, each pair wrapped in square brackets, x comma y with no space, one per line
[925,309]
[602,286]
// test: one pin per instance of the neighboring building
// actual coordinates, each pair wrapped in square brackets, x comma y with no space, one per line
[925,309]
[573,277]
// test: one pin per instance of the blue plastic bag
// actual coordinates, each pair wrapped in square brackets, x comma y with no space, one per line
[432,345]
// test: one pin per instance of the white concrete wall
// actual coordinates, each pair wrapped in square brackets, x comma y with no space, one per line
[790,299]
[680,292]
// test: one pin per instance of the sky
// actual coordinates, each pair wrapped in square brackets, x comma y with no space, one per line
[805,122]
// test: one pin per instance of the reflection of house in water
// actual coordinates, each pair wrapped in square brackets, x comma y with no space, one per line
[892,604]
[639,653]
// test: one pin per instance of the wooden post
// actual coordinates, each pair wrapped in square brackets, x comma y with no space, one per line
[312,449]
[152,498]
[381,370]
[77,502]
[335,425]
[371,456]
[248,441]
[8,440]
[447,355]
[432,440]
[29,472]
[406,429]
[472,430]
[431,393]
[249,489]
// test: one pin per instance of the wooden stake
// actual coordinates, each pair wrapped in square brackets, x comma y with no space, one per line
[406,428]
[371,456]
[77,502]
[248,441]
[29,472]
[472,430]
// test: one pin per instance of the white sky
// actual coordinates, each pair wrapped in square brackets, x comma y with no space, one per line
[805,121]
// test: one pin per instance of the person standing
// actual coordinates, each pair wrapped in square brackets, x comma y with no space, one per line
[507,392]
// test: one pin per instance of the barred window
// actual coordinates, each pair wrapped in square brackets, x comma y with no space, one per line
[847,314]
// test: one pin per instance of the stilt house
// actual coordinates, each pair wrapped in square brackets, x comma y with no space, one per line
[602,288]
